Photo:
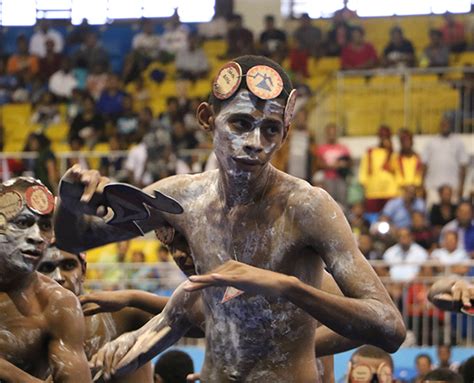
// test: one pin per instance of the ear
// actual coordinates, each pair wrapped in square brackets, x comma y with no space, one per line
[286,130]
[205,116]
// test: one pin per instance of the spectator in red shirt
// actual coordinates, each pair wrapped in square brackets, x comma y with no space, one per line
[334,159]
[453,34]
[358,54]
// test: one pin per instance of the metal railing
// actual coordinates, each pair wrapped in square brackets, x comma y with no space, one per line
[425,323]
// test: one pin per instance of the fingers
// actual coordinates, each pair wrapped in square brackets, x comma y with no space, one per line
[91,180]
[92,309]
[466,298]
[193,377]
[456,293]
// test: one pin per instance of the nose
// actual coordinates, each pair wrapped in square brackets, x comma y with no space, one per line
[253,144]
[34,236]
[57,276]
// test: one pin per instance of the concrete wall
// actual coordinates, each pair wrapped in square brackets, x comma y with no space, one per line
[253,12]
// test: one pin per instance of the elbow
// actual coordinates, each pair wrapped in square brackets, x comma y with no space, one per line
[394,336]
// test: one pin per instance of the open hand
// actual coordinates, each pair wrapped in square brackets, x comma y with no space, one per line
[243,277]
[461,296]
[103,302]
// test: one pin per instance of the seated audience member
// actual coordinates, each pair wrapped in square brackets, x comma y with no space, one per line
[51,62]
[405,257]
[423,364]
[445,211]
[308,37]
[76,145]
[463,225]
[376,173]
[444,358]
[110,102]
[182,138]
[88,124]
[371,362]
[299,59]
[358,54]
[173,367]
[8,83]
[421,230]
[436,54]
[338,36]
[172,113]
[454,35]
[22,63]
[96,80]
[272,40]
[450,255]
[127,121]
[407,164]
[41,36]
[399,52]
[366,246]
[444,375]
[191,61]
[91,53]
[46,111]
[398,210]
[140,93]
[239,39]
[147,43]
[112,165]
[357,220]
[63,82]
[174,38]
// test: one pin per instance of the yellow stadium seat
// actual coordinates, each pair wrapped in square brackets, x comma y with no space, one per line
[16,122]
[201,88]
[215,47]
[168,88]
[465,59]
[57,132]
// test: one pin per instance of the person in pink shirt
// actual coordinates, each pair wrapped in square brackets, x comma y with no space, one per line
[334,160]
[358,54]
[453,34]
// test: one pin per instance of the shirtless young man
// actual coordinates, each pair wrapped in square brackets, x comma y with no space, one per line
[69,271]
[41,324]
[260,230]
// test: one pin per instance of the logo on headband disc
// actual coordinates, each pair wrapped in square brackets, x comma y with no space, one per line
[11,204]
[290,107]
[227,81]
[39,199]
[264,82]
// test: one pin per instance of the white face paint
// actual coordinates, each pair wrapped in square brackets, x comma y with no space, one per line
[248,131]
[23,242]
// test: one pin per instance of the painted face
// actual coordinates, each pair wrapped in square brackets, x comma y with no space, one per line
[23,242]
[63,268]
[248,131]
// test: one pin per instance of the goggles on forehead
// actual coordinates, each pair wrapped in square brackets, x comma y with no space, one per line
[363,373]
[262,81]
[36,197]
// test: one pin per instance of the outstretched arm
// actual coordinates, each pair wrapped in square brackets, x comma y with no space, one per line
[132,350]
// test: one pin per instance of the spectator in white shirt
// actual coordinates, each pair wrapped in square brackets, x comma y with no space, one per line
[405,258]
[450,255]
[63,82]
[192,62]
[445,160]
[43,34]
[175,37]
[147,43]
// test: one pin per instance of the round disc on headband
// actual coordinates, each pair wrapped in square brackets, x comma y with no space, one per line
[39,199]
[11,204]
[3,222]
[361,374]
[384,373]
[264,82]
[290,107]
[227,81]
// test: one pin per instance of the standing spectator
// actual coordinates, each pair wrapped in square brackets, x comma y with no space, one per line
[43,167]
[358,54]
[239,39]
[399,52]
[407,164]
[421,230]
[444,211]
[191,62]
[423,364]
[110,103]
[174,39]
[445,160]
[405,257]
[334,159]
[41,36]
[444,358]
[88,124]
[463,225]
[51,61]
[91,53]
[147,42]
[437,52]
[376,173]
[272,40]
[22,64]
[450,255]
[454,35]
[398,210]
[63,82]
[308,37]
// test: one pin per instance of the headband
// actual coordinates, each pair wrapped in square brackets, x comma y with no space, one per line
[262,81]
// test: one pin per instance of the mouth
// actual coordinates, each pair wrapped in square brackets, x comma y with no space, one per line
[247,161]
[32,253]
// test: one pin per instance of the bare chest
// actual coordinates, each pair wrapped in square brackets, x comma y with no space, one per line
[100,329]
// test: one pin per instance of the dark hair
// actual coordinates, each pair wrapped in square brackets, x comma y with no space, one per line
[247,62]
[467,370]
[443,375]
[171,99]
[396,29]
[436,32]
[173,366]
[269,18]
[368,351]
[444,186]
[357,28]
[426,356]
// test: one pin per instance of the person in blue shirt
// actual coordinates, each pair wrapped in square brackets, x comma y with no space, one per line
[398,210]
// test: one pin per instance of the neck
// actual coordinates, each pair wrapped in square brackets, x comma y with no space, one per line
[16,282]
[243,188]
